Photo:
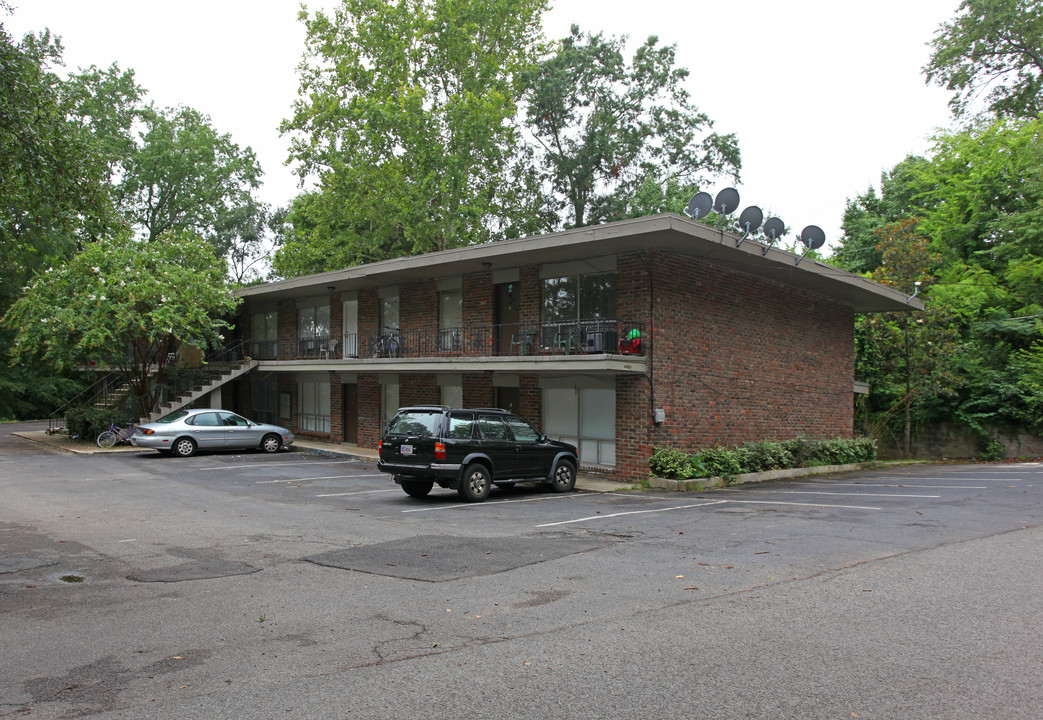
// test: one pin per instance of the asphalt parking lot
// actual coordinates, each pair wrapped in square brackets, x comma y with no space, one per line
[246,585]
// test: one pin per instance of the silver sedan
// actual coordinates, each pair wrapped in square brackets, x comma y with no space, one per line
[186,431]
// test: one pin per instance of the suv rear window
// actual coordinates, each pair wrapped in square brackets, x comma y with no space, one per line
[418,424]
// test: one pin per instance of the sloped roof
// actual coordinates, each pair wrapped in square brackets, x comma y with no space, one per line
[670,232]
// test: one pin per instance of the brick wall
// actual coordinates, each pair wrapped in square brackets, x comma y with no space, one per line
[419,390]
[369,410]
[737,358]
[418,306]
[478,390]
[336,408]
[286,328]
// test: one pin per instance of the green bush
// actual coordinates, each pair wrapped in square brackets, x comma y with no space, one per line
[989,450]
[759,457]
[88,422]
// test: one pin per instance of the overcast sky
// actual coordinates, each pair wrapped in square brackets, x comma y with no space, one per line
[822,94]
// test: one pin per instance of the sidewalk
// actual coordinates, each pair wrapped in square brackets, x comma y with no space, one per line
[585,482]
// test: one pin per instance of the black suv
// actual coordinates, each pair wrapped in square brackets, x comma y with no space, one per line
[470,450]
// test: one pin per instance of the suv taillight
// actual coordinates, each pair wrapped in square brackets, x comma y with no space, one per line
[380,445]
[439,451]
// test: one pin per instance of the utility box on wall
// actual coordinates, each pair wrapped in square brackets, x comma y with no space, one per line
[659,416]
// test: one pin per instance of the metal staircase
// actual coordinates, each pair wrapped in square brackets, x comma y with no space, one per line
[219,374]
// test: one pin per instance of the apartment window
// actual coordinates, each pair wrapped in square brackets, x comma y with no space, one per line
[313,406]
[581,305]
[389,314]
[264,335]
[580,297]
[450,320]
[585,417]
[313,329]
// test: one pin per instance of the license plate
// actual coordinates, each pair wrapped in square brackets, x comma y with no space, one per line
[406,449]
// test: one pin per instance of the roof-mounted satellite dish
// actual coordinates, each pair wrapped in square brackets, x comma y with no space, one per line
[813,238]
[725,203]
[773,230]
[749,220]
[700,205]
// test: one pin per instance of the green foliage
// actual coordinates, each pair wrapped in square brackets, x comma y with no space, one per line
[166,169]
[124,303]
[995,48]
[606,128]
[754,457]
[51,199]
[406,119]
[990,450]
[87,422]
[966,222]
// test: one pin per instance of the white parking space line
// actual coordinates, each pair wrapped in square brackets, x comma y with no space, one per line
[632,512]
[325,477]
[705,504]
[901,485]
[969,476]
[817,505]
[475,506]
[277,463]
[360,492]
[865,494]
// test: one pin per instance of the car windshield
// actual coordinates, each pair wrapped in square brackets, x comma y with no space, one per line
[418,423]
[173,417]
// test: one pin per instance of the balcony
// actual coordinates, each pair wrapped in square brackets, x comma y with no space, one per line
[521,340]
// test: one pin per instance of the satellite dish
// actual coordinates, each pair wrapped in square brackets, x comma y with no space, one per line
[773,230]
[749,220]
[813,238]
[726,202]
[699,205]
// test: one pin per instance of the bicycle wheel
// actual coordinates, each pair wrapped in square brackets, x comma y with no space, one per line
[107,439]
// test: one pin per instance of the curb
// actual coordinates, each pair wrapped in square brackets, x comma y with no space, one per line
[707,483]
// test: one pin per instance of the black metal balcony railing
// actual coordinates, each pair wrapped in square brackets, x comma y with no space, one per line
[583,337]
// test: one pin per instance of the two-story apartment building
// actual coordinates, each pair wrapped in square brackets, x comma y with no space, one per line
[617,338]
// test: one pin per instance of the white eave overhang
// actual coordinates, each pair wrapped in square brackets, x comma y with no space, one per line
[667,232]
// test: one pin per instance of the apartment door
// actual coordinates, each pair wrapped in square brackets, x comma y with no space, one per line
[507,316]
[350,408]
[508,398]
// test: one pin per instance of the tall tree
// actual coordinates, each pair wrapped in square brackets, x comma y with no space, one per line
[976,198]
[127,303]
[49,194]
[168,169]
[605,127]
[994,49]
[406,121]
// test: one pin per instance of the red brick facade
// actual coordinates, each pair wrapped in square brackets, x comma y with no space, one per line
[729,357]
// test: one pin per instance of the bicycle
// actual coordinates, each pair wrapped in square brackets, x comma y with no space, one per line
[115,435]
[387,345]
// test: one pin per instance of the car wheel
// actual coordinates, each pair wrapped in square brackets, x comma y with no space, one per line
[417,488]
[271,443]
[475,484]
[564,477]
[184,447]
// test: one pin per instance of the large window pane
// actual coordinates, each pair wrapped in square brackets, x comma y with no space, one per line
[560,300]
[597,298]
[389,313]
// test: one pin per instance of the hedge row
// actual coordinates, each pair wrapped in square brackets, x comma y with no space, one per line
[758,457]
